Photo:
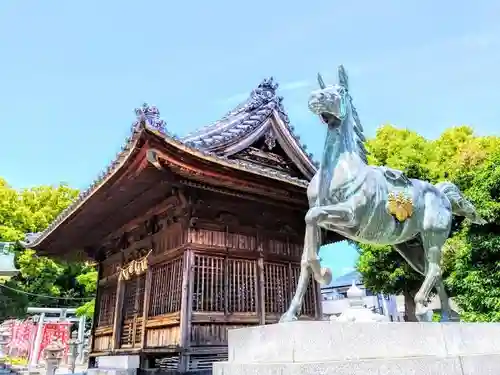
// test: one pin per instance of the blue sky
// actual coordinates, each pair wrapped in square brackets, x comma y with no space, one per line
[72,72]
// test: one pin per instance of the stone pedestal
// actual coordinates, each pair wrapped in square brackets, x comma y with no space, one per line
[333,348]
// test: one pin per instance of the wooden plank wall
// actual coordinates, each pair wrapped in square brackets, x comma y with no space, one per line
[163,320]
[237,278]
[227,279]
[104,327]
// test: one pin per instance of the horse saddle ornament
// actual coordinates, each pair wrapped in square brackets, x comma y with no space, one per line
[396,177]
[399,205]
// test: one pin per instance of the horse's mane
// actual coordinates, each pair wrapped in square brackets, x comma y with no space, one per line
[358,135]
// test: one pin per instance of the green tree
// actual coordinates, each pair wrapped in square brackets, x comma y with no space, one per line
[89,281]
[41,281]
[475,275]
[401,149]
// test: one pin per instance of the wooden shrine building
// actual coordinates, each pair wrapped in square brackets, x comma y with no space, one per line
[193,236]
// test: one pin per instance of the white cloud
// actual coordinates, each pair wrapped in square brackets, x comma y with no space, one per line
[428,52]
[346,270]
[289,86]
[235,98]
[479,40]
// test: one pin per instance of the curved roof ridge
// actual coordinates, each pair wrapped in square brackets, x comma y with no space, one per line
[245,119]
[239,120]
[148,118]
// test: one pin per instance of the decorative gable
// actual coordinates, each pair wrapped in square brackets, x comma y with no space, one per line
[266,151]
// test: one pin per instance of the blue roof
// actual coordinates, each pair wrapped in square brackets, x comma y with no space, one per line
[344,280]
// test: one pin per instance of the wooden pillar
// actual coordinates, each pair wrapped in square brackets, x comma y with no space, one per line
[97,303]
[117,321]
[145,308]
[186,308]
[226,284]
[290,285]
[261,292]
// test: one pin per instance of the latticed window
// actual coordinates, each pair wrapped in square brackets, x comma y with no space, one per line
[280,285]
[208,288]
[242,285]
[133,306]
[277,287]
[166,288]
[106,306]
[222,284]
[129,298]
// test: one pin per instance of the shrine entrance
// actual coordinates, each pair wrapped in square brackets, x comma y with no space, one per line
[133,308]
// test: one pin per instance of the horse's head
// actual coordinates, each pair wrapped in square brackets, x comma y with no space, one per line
[329,103]
[333,105]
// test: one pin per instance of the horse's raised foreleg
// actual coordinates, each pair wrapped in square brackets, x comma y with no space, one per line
[334,214]
[309,262]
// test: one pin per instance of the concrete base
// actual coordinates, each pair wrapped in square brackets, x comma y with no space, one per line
[363,348]
[116,365]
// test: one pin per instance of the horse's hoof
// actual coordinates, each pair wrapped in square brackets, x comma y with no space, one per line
[423,314]
[286,318]
[444,318]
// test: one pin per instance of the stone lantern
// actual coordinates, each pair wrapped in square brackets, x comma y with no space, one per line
[52,355]
[357,312]
[73,351]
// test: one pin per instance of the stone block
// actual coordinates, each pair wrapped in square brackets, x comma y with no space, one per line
[111,371]
[386,348]
[471,338]
[329,341]
[119,361]
[488,364]
[398,366]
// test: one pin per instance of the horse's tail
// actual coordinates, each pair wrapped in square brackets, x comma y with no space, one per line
[459,204]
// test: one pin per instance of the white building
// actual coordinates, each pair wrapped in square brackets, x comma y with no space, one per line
[335,302]
[7,266]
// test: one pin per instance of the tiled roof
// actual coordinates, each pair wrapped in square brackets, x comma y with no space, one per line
[148,119]
[344,280]
[245,119]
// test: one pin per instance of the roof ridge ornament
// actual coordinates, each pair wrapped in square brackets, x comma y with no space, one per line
[264,92]
[269,85]
[150,116]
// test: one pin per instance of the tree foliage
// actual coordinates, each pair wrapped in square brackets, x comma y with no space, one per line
[41,281]
[89,281]
[455,156]
[475,275]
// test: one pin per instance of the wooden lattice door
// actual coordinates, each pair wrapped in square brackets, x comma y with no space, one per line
[132,316]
